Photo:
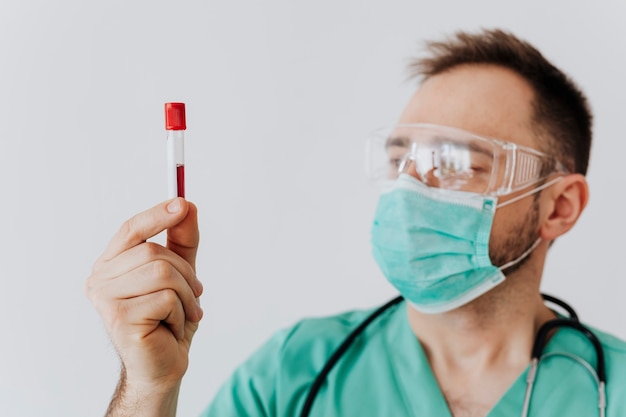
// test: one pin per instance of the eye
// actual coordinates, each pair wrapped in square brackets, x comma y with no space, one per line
[480,170]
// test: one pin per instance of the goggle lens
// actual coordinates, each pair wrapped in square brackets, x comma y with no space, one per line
[454,159]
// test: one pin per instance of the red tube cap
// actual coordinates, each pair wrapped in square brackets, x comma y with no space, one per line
[175,116]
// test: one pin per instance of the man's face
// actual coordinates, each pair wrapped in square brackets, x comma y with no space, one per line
[494,102]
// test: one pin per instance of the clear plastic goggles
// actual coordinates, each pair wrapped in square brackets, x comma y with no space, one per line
[454,159]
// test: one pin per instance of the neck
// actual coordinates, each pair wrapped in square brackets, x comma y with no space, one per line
[495,330]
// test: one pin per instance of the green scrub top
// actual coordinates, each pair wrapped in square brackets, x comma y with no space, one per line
[385,373]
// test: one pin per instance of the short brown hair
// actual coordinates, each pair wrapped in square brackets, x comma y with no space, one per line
[560,109]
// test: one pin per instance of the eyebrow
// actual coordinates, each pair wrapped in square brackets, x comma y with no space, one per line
[397,141]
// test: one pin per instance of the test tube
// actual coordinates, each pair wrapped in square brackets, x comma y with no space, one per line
[175,126]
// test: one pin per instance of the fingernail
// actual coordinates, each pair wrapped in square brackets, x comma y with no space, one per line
[174,206]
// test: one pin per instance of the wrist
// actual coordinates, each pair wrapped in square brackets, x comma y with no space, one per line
[142,399]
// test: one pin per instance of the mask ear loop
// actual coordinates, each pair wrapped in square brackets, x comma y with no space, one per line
[534,245]
[521,257]
[531,192]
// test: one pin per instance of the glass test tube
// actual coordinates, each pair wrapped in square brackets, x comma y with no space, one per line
[175,125]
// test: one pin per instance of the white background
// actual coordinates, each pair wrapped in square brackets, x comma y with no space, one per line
[280,95]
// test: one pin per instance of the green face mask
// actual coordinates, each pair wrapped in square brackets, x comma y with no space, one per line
[433,244]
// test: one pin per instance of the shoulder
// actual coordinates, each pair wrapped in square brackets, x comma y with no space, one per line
[313,338]
[274,380]
[611,342]
[614,351]
[612,345]
[316,338]
[322,330]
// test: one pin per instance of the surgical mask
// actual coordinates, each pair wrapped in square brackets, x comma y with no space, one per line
[433,244]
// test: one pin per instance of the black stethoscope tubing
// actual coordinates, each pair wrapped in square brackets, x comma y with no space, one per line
[538,346]
[573,324]
[321,377]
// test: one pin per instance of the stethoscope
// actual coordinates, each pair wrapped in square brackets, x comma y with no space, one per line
[537,356]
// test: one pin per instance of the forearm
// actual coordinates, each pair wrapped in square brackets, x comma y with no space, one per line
[130,400]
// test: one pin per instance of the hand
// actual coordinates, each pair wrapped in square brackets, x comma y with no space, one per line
[147,295]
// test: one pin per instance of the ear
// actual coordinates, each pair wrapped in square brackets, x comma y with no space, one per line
[565,204]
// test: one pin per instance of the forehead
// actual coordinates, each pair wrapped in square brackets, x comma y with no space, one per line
[487,100]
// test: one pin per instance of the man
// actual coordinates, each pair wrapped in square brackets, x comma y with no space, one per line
[463,234]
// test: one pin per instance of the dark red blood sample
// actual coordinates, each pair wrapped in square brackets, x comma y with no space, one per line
[180,180]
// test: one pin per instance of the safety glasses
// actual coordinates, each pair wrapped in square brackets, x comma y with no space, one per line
[454,159]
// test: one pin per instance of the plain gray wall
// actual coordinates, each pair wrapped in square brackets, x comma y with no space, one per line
[280,95]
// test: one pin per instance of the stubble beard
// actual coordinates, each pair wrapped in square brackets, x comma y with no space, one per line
[517,241]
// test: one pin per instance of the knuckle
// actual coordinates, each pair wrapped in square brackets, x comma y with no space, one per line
[126,227]
[130,229]
[101,302]
[92,289]
[161,268]
[168,297]
[152,250]
[117,311]
[95,268]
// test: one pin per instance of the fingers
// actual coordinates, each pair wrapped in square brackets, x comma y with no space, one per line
[152,277]
[184,237]
[131,268]
[148,312]
[147,294]
[141,255]
[149,223]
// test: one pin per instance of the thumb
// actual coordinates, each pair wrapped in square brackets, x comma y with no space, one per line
[145,225]
[183,238]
